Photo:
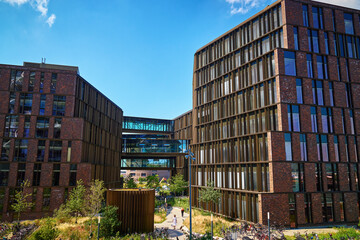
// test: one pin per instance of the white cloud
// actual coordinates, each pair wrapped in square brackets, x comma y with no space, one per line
[242,6]
[39,5]
[51,20]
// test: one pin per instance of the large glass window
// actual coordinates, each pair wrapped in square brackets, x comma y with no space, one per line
[326,36]
[56,175]
[297,175]
[303,148]
[309,65]
[12,100]
[322,69]
[21,150]
[327,207]
[20,174]
[55,151]
[11,126]
[317,17]
[27,126]
[305,15]
[322,148]
[53,82]
[336,148]
[313,119]
[57,127]
[296,38]
[46,199]
[59,105]
[331,93]
[332,177]
[294,118]
[326,120]
[73,170]
[37,174]
[290,63]
[42,104]
[42,78]
[288,150]
[349,23]
[31,82]
[40,151]
[318,177]
[5,150]
[25,103]
[4,174]
[16,80]
[317,89]
[299,92]
[313,40]
[42,127]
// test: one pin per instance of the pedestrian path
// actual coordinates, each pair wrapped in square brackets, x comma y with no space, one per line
[177,233]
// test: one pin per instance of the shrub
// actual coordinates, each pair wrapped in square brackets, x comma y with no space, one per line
[109,222]
[47,231]
[62,214]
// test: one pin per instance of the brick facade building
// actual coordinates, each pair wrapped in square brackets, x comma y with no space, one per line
[55,128]
[276,121]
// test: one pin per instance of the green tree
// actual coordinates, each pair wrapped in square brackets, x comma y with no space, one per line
[21,199]
[152,181]
[130,183]
[178,184]
[209,194]
[141,180]
[109,222]
[95,197]
[76,201]
[47,231]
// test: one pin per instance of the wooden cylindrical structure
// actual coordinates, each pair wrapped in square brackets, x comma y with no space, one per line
[136,208]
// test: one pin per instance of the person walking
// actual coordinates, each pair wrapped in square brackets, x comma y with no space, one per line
[174,221]
[182,212]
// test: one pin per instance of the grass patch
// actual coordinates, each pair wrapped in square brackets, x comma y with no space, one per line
[201,222]
[180,202]
[341,233]
[159,216]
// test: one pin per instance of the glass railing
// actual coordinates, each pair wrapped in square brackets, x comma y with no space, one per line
[154,146]
[148,163]
[148,124]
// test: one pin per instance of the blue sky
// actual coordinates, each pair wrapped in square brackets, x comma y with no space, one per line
[139,53]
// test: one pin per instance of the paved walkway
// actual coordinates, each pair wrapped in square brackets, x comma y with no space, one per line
[167,223]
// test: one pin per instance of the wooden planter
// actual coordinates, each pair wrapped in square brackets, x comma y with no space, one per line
[136,208]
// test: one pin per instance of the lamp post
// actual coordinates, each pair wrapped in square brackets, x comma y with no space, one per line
[98,235]
[191,158]
[268,217]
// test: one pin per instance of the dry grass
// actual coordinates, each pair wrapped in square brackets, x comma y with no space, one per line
[201,223]
[159,217]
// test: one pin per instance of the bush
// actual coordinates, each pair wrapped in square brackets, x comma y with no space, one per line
[62,214]
[47,231]
[109,222]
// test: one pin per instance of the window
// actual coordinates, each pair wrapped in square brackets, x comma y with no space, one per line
[303,149]
[53,82]
[313,119]
[296,38]
[327,207]
[292,209]
[317,17]
[55,151]
[288,150]
[57,127]
[12,100]
[20,150]
[352,126]
[326,120]
[331,93]
[73,170]
[290,65]
[313,40]
[309,65]
[56,175]
[68,158]
[349,24]
[322,70]
[336,148]
[326,42]
[318,176]
[348,95]
[4,174]
[20,174]
[16,80]
[293,118]
[343,120]
[5,150]
[305,15]
[297,176]
[40,151]
[25,103]
[308,211]
[342,207]
[42,104]
[59,105]
[322,148]
[31,82]
[42,77]
[299,92]
[332,177]
[27,127]
[11,126]
[338,69]
[42,127]
[37,174]
[317,89]
[333,19]
[46,199]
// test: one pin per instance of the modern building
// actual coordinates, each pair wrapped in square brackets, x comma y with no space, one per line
[276,120]
[55,128]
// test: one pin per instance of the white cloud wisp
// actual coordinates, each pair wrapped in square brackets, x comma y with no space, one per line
[242,6]
[39,5]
